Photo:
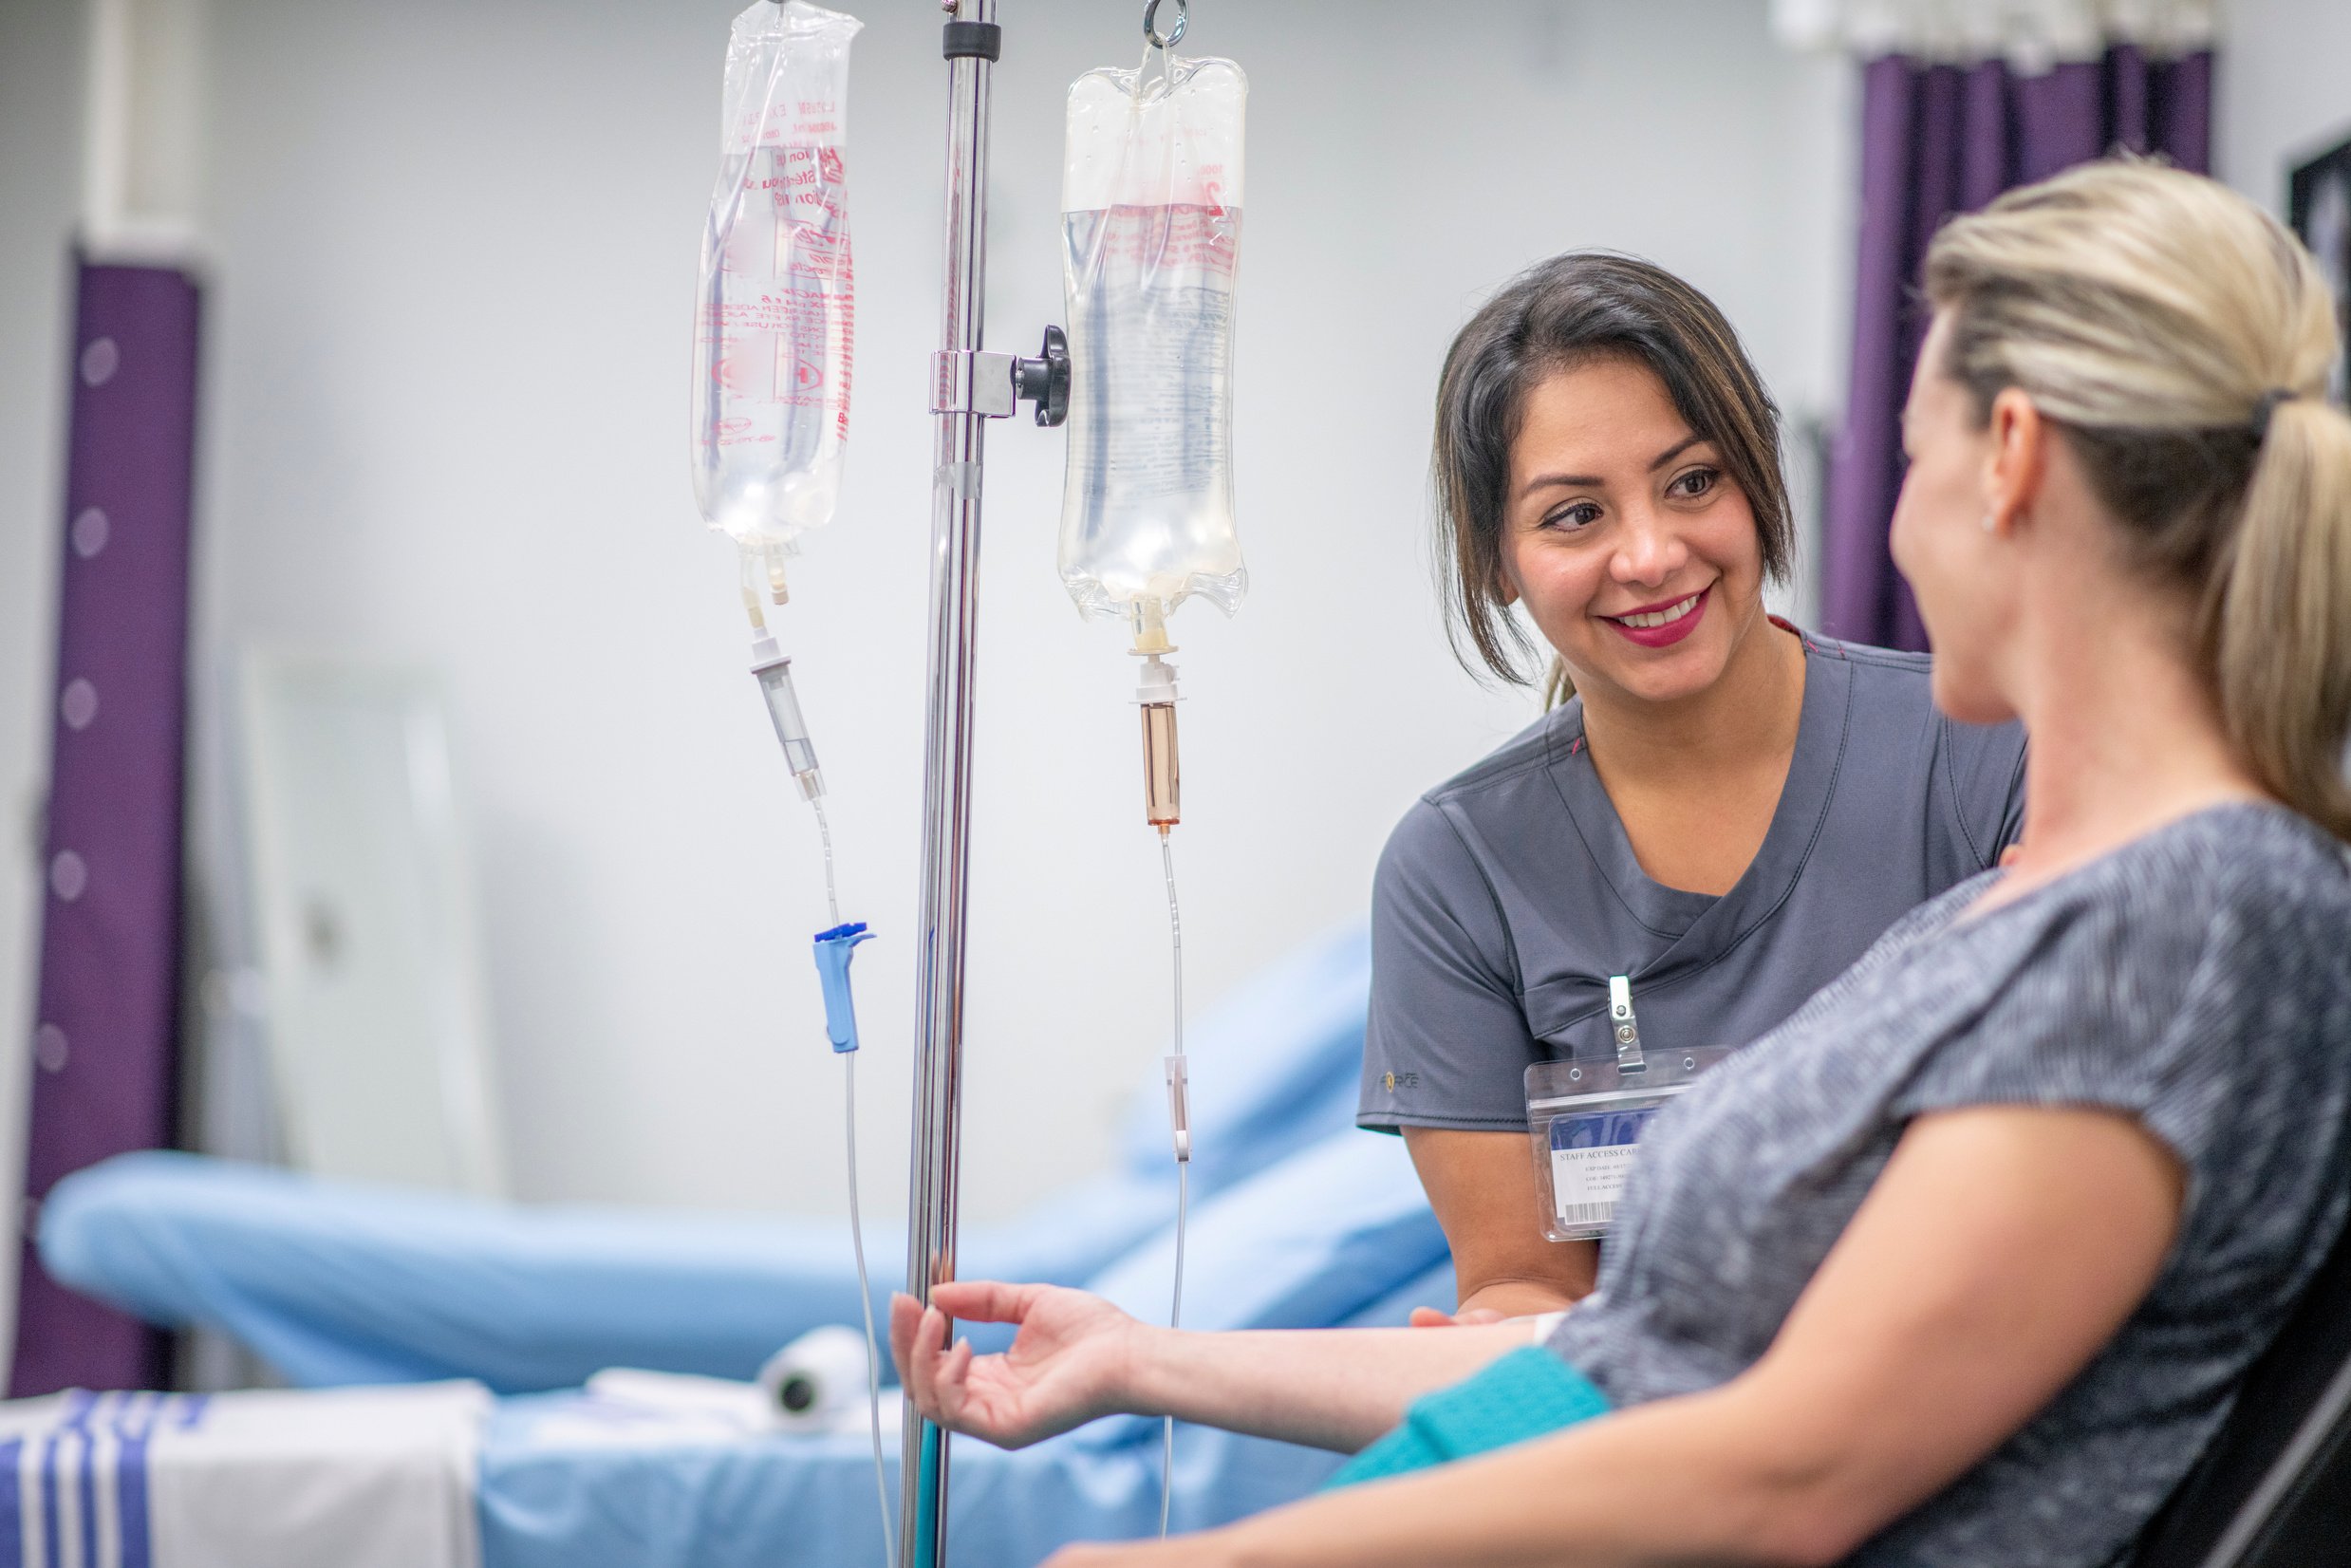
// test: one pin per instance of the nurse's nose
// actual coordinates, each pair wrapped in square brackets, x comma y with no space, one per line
[1649,550]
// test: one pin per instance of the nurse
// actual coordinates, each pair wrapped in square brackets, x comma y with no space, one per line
[1724,811]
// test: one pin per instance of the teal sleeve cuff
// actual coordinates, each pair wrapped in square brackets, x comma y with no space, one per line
[1527,1394]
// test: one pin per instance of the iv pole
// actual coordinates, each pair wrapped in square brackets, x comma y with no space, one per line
[969,387]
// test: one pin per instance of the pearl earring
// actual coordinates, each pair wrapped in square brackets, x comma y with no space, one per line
[1991,524]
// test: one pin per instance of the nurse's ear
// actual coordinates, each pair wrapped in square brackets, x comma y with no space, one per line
[1506,586]
[2017,462]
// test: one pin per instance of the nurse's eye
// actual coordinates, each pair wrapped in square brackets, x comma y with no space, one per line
[1570,518]
[1693,483]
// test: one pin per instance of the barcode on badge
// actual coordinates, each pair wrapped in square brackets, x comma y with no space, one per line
[1587,1214]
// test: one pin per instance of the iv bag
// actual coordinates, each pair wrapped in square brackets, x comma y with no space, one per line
[774,323]
[1150,215]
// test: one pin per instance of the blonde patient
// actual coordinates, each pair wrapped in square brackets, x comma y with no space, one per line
[1964,1262]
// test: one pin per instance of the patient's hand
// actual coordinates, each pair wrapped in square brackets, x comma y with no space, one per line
[1067,1365]
[1210,1549]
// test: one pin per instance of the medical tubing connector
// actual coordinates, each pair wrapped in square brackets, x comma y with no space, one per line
[774,671]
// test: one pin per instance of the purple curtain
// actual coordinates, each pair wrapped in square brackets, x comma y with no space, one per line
[105,1044]
[1938,139]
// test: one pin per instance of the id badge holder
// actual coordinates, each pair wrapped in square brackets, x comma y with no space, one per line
[1586,1119]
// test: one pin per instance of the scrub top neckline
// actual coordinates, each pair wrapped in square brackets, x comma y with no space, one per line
[1705,924]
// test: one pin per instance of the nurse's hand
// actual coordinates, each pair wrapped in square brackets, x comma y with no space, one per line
[1430,1317]
[1069,1364]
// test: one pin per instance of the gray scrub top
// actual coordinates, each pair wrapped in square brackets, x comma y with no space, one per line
[1509,895]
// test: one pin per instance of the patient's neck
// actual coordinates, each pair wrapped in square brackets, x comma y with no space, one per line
[2126,734]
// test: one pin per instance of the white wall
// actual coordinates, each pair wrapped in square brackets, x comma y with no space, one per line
[454,248]
[39,133]
[2281,93]
[447,341]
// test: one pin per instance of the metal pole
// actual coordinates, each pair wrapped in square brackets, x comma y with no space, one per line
[946,778]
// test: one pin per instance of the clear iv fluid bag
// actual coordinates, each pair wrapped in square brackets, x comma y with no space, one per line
[1151,204]
[774,322]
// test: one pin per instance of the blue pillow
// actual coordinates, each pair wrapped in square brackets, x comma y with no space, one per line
[1275,1065]
[1306,1244]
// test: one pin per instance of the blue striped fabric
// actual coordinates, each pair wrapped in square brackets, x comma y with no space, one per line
[74,1491]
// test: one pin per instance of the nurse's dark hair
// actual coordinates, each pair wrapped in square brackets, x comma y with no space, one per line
[1571,310]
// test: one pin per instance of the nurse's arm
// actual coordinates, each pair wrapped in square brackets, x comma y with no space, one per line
[2001,1249]
[1481,1186]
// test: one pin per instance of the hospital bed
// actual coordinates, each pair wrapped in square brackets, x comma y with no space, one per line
[374,1478]
[338,1282]
[1298,1220]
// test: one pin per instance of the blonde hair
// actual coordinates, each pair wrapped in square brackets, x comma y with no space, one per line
[2180,339]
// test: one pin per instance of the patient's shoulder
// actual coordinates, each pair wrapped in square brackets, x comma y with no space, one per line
[2198,977]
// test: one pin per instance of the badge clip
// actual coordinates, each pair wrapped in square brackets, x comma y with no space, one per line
[1624,1027]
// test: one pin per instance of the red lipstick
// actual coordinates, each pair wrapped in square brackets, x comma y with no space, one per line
[1671,631]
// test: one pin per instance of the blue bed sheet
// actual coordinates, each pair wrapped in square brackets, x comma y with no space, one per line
[338,1282]
[548,1502]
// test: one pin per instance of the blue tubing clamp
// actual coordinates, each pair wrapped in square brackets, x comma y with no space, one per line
[835,948]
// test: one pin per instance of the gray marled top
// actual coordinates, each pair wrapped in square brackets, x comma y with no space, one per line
[2198,980]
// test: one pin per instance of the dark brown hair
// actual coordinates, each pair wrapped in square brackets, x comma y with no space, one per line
[1569,311]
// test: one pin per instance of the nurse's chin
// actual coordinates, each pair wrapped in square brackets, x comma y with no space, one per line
[1664,677]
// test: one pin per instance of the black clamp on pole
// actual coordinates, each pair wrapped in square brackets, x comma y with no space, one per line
[1045,380]
[972,40]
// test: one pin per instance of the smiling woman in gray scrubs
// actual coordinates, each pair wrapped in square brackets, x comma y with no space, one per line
[1726,812]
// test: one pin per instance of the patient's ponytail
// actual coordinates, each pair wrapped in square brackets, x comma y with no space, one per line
[2181,338]
[2282,628]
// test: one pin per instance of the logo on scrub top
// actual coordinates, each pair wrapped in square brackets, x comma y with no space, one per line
[1401,1080]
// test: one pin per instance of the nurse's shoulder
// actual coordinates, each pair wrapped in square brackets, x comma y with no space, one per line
[1494,809]
[1967,780]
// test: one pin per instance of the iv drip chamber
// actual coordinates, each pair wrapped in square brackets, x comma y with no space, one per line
[783,708]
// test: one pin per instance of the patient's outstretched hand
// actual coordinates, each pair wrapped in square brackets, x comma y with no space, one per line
[1068,1363]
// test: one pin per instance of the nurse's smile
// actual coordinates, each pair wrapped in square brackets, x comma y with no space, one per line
[1663,625]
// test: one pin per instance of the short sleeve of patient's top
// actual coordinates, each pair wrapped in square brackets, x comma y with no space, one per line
[1509,895]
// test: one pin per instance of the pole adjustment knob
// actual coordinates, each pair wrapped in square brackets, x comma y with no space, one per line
[1045,380]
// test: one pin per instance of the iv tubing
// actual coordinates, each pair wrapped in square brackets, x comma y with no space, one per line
[857,1230]
[864,1298]
[1183,1173]
[824,831]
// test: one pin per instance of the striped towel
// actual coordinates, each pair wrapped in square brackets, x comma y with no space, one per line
[359,1478]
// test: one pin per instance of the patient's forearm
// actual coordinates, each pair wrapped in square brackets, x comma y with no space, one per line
[1326,1387]
[1684,1480]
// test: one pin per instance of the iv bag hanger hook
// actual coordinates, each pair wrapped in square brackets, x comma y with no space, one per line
[1151,24]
